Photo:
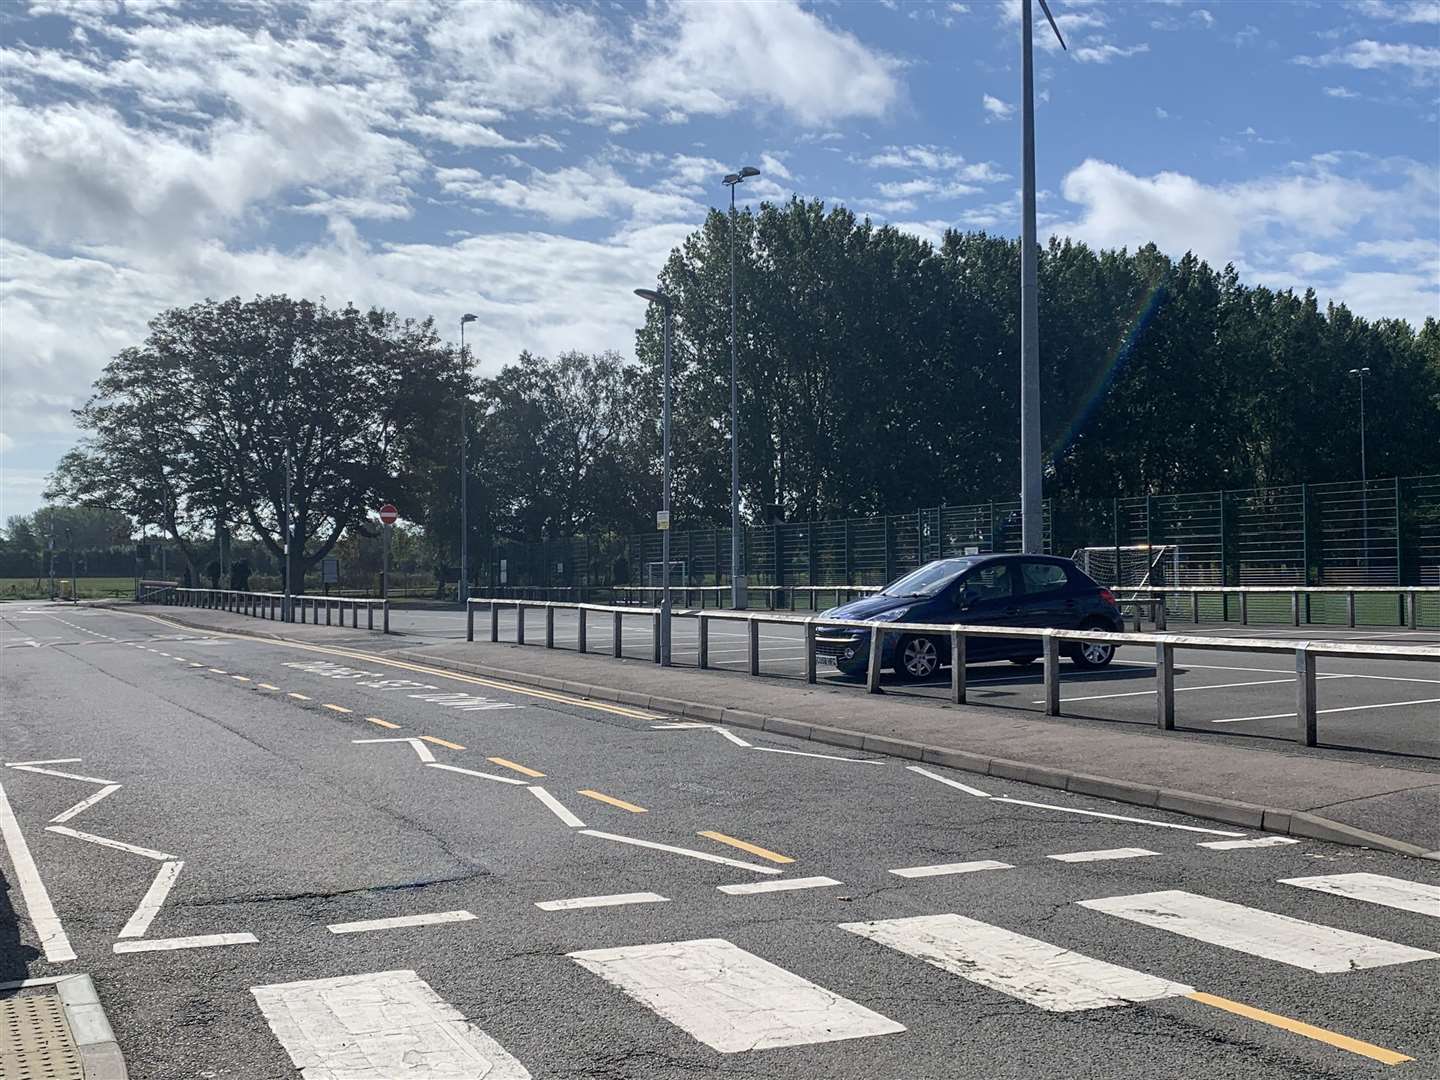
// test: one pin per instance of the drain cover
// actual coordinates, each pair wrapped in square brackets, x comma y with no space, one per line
[35,1040]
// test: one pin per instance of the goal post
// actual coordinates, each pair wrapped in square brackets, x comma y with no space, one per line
[679,574]
[1131,566]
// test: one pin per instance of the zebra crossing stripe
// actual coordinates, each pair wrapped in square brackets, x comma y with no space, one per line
[381,1024]
[1260,933]
[945,869]
[1036,972]
[1376,889]
[1103,856]
[730,999]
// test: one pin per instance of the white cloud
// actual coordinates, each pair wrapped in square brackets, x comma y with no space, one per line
[1103,54]
[771,165]
[1423,61]
[997,109]
[1161,114]
[1340,92]
[933,189]
[1403,11]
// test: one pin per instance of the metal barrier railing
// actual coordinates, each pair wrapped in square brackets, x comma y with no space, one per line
[1406,597]
[776,597]
[271,605]
[1165,645]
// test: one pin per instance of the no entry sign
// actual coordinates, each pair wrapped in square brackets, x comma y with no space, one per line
[388,513]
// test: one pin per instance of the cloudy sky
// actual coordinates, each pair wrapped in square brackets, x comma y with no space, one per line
[534,162]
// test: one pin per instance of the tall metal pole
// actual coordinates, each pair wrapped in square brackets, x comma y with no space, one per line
[462,586]
[665,535]
[70,545]
[738,583]
[1032,524]
[1364,480]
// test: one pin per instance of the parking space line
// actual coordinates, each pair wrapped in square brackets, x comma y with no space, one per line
[621,803]
[745,845]
[947,781]
[1344,708]
[522,769]
[1299,1027]
[472,772]
[241,678]
[1180,689]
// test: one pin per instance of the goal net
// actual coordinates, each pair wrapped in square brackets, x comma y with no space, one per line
[1133,566]
[655,574]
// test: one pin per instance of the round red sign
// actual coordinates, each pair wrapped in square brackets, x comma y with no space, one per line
[388,513]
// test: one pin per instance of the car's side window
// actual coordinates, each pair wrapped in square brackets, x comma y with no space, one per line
[990,582]
[1043,578]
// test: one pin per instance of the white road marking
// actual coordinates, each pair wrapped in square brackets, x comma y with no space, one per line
[1102,856]
[730,999]
[84,804]
[944,869]
[730,735]
[556,807]
[827,757]
[61,775]
[951,783]
[472,772]
[1114,817]
[1255,841]
[679,726]
[1036,972]
[1260,933]
[53,939]
[613,900]
[50,761]
[778,885]
[105,841]
[704,855]
[1346,708]
[399,921]
[421,750]
[151,901]
[1179,689]
[1376,889]
[202,941]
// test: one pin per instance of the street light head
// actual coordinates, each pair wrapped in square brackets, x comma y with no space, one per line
[749,171]
[654,296]
[1359,371]
[731,179]
[466,318]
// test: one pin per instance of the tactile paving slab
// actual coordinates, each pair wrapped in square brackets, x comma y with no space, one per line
[35,1039]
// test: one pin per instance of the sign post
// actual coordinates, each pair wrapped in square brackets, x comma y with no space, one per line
[388,514]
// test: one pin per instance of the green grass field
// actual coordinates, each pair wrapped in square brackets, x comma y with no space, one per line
[88,588]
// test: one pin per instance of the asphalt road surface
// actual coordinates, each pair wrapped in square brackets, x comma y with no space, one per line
[274,856]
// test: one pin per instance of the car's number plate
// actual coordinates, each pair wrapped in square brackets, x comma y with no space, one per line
[824,661]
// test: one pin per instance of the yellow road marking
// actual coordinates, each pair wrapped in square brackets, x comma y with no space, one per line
[621,803]
[382,723]
[300,697]
[443,742]
[241,678]
[267,686]
[219,671]
[512,765]
[1299,1027]
[753,849]
[334,708]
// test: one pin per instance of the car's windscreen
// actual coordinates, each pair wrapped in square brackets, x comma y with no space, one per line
[929,580]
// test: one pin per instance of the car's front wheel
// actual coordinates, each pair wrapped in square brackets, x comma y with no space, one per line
[1093,654]
[917,658]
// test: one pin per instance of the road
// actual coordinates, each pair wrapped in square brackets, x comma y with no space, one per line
[227,829]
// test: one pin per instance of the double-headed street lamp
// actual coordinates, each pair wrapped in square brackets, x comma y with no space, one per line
[1360,373]
[657,296]
[462,587]
[738,597]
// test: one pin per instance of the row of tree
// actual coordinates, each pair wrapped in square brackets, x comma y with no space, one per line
[878,372]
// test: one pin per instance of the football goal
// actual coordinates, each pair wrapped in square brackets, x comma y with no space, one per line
[655,574]
[1131,566]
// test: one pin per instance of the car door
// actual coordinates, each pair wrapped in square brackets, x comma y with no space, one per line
[1046,597]
[986,597]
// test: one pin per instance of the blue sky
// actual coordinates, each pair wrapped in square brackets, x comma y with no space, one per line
[534,162]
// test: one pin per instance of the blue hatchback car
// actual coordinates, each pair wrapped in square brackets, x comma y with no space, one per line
[1033,591]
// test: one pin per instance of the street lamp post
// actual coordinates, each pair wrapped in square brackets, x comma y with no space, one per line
[739,597]
[462,588]
[657,296]
[1360,374]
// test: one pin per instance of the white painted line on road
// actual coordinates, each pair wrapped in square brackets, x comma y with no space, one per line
[421,750]
[61,775]
[1376,889]
[556,807]
[84,804]
[826,757]
[471,772]
[1253,842]
[950,783]
[1034,971]
[730,735]
[379,1026]
[691,852]
[1179,689]
[613,900]
[684,725]
[1256,932]
[945,869]
[105,841]
[202,941]
[366,925]
[778,885]
[1347,708]
[151,901]
[730,999]
[1115,817]
[53,939]
[49,761]
[1103,856]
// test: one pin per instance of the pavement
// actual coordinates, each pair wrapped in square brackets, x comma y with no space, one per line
[321,853]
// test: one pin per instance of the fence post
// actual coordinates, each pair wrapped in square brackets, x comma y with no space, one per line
[957,667]
[580,629]
[520,622]
[327,611]
[810,650]
[615,628]
[1158,608]
[849,571]
[1413,598]
[1052,675]
[1350,608]
[889,551]
[1295,607]
[877,648]
[355,614]
[1305,695]
[704,647]
[494,622]
[470,620]
[1195,608]
[1244,609]
[1165,686]
[549,627]
[754,649]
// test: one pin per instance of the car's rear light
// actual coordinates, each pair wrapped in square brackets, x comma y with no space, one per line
[1107,596]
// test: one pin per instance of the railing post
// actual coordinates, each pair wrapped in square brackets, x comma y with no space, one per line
[1224,605]
[1350,608]
[1165,686]
[1305,695]
[615,629]
[549,627]
[704,649]
[327,611]
[1158,611]
[957,667]
[1052,675]
[1412,598]
[1195,608]
[1244,609]
[1295,607]
[753,625]
[877,649]
[580,643]
[470,620]
[810,649]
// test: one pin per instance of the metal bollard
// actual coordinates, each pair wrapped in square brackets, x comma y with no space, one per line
[1165,686]
[549,627]
[615,628]
[810,649]
[754,643]
[470,621]
[872,668]
[1052,675]
[1414,615]
[494,621]
[957,667]
[580,629]
[1305,695]
[704,646]
[385,616]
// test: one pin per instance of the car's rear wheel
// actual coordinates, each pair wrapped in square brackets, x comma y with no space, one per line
[917,658]
[1093,654]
